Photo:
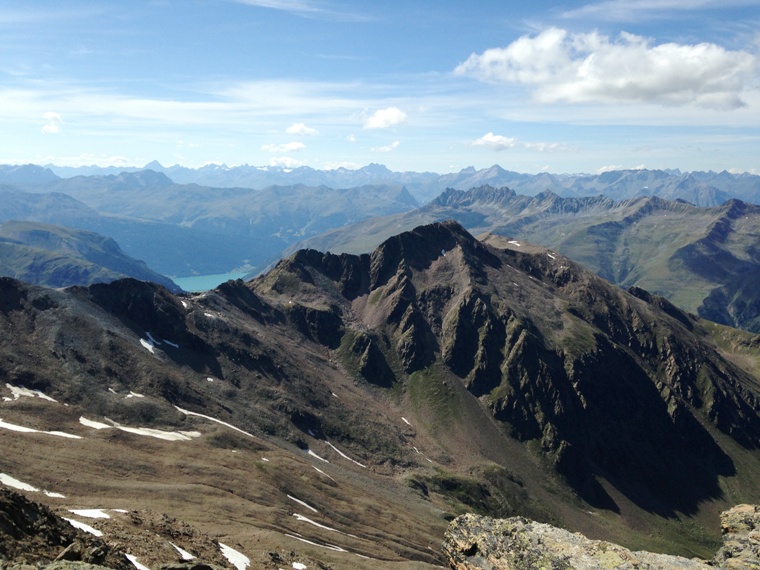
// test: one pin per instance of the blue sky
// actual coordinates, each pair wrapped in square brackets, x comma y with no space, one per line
[425,86]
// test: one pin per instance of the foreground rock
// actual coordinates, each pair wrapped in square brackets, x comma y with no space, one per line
[475,542]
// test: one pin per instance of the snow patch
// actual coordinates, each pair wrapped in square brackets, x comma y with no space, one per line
[182,552]
[22,429]
[344,455]
[517,243]
[551,256]
[237,559]
[14,483]
[63,434]
[92,424]
[173,345]
[135,563]
[9,481]
[148,432]
[328,546]
[159,434]
[315,523]
[302,503]
[310,452]
[90,513]
[148,345]
[17,392]
[133,395]
[85,527]
[406,421]
[299,566]
[318,470]
[189,413]
[151,339]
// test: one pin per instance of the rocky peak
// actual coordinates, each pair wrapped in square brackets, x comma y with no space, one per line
[479,543]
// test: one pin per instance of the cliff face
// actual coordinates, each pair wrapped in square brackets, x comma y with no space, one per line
[478,543]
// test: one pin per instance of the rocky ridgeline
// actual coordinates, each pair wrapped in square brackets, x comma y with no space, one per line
[474,542]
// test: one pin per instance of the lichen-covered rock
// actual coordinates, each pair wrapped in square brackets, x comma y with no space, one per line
[741,538]
[474,542]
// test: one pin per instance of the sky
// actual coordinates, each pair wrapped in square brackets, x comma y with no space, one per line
[563,87]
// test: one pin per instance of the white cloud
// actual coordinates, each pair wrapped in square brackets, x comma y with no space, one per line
[547,147]
[53,123]
[586,68]
[496,142]
[385,118]
[500,142]
[351,138]
[302,130]
[612,168]
[387,148]
[286,162]
[286,147]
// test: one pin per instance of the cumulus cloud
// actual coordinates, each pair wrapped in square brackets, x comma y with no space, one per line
[286,147]
[351,138]
[302,130]
[387,148]
[496,142]
[53,123]
[385,118]
[586,68]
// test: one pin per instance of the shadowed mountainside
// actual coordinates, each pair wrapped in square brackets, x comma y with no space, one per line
[55,256]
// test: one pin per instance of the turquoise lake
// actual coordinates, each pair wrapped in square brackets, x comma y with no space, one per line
[199,283]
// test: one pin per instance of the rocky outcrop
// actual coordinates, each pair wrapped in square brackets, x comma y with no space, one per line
[741,538]
[31,533]
[479,543]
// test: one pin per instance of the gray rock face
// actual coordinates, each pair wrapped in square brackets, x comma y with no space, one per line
[474,542]
[741,538]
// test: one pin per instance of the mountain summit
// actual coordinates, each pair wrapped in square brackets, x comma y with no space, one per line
[614,386]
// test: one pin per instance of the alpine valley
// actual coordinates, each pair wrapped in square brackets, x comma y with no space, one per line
[338,411]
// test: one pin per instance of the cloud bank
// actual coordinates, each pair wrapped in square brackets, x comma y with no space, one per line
[593,68]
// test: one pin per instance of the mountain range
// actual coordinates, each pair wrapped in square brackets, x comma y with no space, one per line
[351,405]
[700,188]
[183,230]
[704,260]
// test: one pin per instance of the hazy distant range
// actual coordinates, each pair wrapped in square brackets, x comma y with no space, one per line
[218,219]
